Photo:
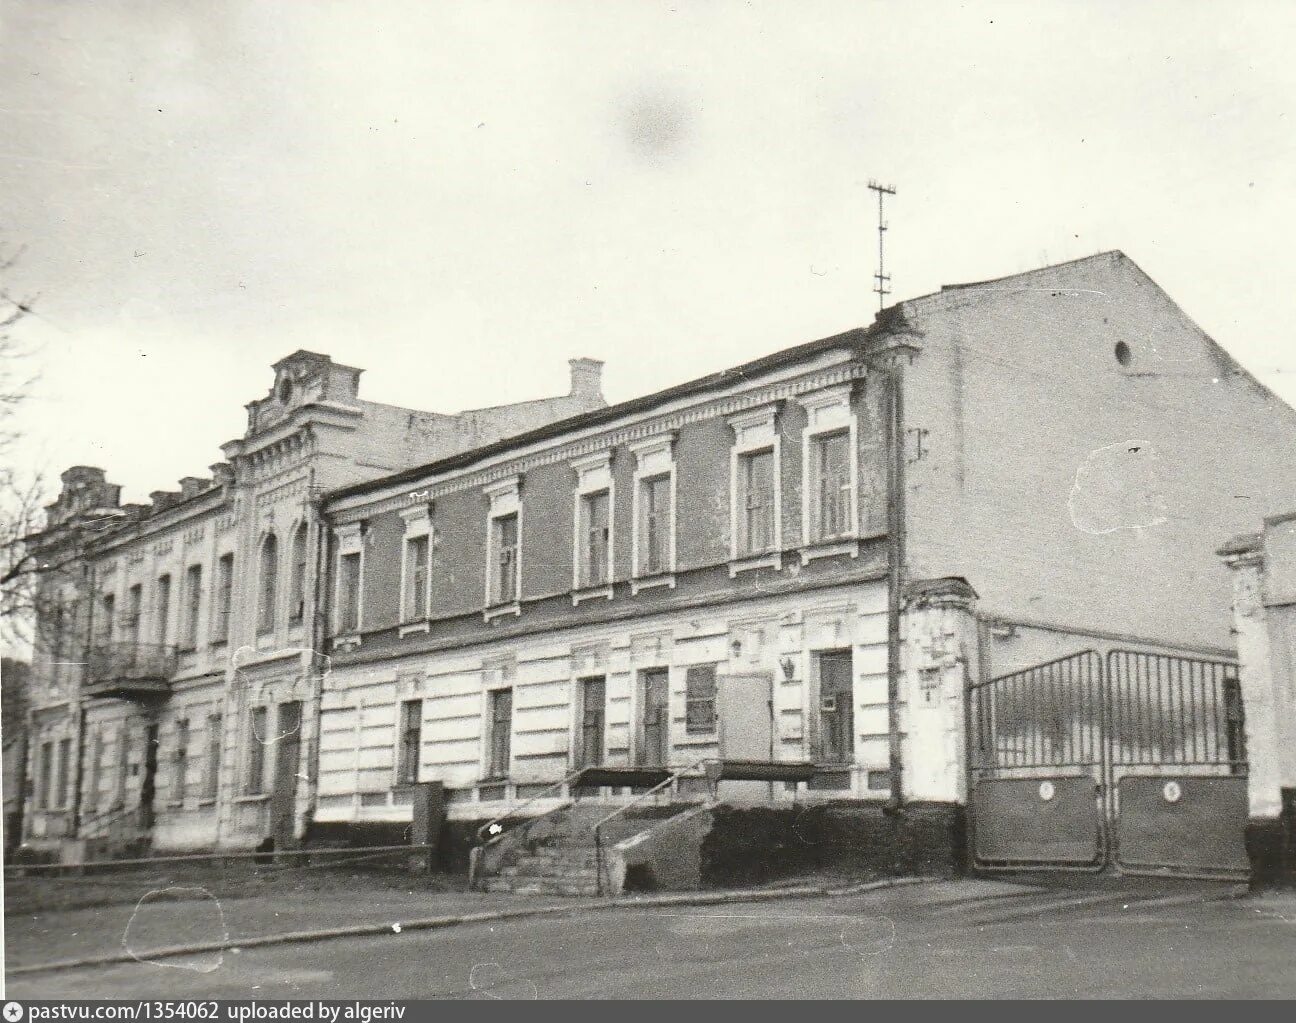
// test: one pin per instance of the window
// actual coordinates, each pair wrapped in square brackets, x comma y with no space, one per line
[134,604]
[699,699]
[46,776]
[416,577]
[193,603]
[595,538]
[95,756]
[254,784]
[504,544]
[181,775]
[830,487]
[211,777]
[501,732]
[349,592]
[268,588]
[224,598]
[64,771]
[106,624]
[297,589]
[593,704]
[407,750]
[163,608]
[655,526]
[756,502]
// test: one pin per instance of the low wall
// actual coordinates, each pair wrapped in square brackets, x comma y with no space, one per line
[752,845]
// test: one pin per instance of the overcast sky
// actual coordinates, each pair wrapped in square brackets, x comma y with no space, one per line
[461,196]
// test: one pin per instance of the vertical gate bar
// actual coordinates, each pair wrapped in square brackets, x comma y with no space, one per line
[1197,673]
[1174,669]
[1215,688]
[1160,713]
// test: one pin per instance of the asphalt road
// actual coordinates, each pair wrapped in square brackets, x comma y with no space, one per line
[966,939]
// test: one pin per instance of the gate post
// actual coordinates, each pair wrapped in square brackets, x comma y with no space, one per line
[1265,688]
[941,652]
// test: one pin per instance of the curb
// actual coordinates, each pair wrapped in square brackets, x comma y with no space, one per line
[440,922]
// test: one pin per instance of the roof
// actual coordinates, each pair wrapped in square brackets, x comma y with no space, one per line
[856,336]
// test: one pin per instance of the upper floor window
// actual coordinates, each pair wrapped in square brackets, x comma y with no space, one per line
[653,540]
[503,552]
[106,623]
[829,503]
[193,604]
[754,478]
[297,589]
[504,541]
[134,604]
[163,608]
[224,598]
[268,584]
[415,570]
[349,592]
[596,535]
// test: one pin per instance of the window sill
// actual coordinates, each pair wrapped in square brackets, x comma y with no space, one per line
[411,628]
[191,648]
[591,593]
[259,797]
[351,641]
[652,582]
[219,642]
[830,549]
[773,560]
[203,804]
[502,611]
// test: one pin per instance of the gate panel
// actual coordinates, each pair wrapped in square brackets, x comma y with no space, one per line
[1039,822]
[1183,824]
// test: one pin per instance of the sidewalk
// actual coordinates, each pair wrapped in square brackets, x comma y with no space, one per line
[199,919]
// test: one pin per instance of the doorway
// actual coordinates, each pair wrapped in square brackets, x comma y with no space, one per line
[593,716]
[653,748]
[287,755]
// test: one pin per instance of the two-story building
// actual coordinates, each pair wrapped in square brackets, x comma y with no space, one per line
[936,563]
[174,703]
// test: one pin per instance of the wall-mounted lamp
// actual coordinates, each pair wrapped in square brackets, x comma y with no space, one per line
[735,648]
[1003,630]
[789,668]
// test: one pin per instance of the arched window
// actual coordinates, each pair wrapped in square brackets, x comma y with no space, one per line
[297,592]
[268,586]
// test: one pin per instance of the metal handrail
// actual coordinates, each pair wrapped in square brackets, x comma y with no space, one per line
[485,829]
[598,827]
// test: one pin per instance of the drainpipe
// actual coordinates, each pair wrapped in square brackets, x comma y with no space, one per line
[81,714]
[895,564]
[316,644]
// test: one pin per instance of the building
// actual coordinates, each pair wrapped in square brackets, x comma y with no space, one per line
[1264,609]
[937,563]
[939,589]
[174,694]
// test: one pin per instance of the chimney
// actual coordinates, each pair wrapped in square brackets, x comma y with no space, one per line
[191,486]
[586,378]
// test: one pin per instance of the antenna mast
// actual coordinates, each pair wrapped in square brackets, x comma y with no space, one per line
[882,279]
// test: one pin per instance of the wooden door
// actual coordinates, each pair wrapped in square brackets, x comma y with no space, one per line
[654,718]
[593,702]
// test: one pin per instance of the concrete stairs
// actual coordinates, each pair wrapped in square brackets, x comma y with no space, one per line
[556,855]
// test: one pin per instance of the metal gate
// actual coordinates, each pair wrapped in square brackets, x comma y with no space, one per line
[1135,760]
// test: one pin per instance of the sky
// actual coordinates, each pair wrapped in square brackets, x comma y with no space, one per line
[460,197]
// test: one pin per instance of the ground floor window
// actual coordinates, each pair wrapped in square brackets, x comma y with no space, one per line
[501,732]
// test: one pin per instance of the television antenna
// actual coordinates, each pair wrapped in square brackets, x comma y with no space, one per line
[881,279]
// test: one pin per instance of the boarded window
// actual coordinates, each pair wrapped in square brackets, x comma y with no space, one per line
[595,537]
[830,486]
[349,592]
[501,732]
[654,525]
[410,738]
[504,578]
[416,578]
[756,502]
[699,705]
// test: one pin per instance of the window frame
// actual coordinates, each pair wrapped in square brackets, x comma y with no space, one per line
[222,599]
[654,461]
[491,770]
[593,478]
[755,431]
[192,606]
[505,500]
[829,411]
[267,585]
[180,761]
[408,761]
[690,699]
[162,609]
[213,755]
[298,572]
[418,527]
[350,542]
[255,766]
